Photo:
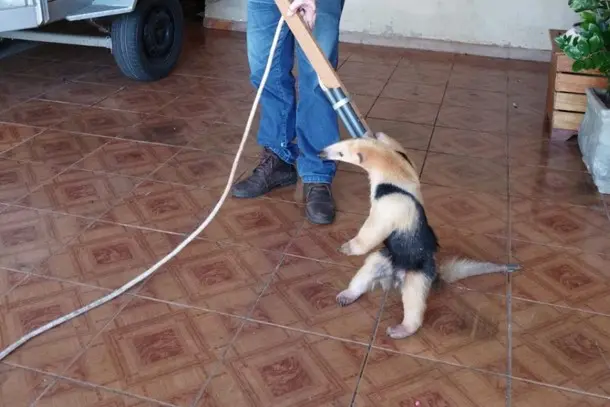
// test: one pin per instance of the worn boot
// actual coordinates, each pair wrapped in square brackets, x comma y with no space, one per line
[319,203]
[270,173]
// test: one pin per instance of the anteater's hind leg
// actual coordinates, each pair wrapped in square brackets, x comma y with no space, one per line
[414,292]
[376,267]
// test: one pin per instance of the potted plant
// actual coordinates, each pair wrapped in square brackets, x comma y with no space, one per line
[588,45]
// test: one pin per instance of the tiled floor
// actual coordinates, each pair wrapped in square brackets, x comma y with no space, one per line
[101,176]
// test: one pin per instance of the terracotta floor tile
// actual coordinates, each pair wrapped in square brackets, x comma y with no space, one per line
[225,138]
[106,75]
[107,255]
[213,87]
[79,93]
[531,395]
[399,110]
[20,387]
[409,135]
[432,73]
[533,102]
[20,178]
[413,91]
[463,172]
[21,87]
[81,193]
[540,152]
[478,78]
[38,301]
[139,101]
[476,212]
[40,113]
[166,207]
[524,83]
[482,64]
[369,87]
[366,70]
[28,237]
[475,99]
[302,295]
[371,54]
[165,130]
[488,121]
[231,111]
[63,70]
[560,347]
[561,276]
[391,379]
[269,366]
[322,242]
[364,103]
[463,327]
[259,223]
[59,147]
[102,122]
[572,187]
[12,135]
[73,394]
[469,143]
[525,123]
[560,224]
[209,276]
[128,158]
[202,168]
[156,350]
[15,64]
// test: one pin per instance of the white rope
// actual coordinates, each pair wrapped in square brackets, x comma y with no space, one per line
[185,242]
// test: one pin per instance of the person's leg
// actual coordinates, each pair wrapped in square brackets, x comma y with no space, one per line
[317,124]
[278,101]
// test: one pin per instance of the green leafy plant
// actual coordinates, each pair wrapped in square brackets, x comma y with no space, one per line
[589,46]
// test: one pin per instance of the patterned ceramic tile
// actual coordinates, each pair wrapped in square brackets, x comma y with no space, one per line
[469,143]
[433,73]
[156,350]
[369,87]
[475,99]
[81,193]
[102,122]
[12,135]
[526,394]
[560,346]
[137,101]
[478,78]
[488,121]
[40,113]
[206,275]
[413,91]
[271,366]
[463,172]
[58,147]
[128,158]
[409,135]
[302,295]
[405,111]
[366,70]
[79,93]
[20,387]
[202,168]
[38,301]
[391,379]
[559,224]
[107,255]
[572,187]
[539,151]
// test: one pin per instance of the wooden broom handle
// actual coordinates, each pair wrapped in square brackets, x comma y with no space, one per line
[315,55]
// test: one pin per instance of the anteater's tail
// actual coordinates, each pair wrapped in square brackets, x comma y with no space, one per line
[457,269]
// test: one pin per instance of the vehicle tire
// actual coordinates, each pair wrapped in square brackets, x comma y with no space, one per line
[147,42]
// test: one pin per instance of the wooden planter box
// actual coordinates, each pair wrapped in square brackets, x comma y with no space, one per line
[566,100]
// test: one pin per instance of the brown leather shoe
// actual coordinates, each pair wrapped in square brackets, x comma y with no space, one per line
[270,173]
[319,203]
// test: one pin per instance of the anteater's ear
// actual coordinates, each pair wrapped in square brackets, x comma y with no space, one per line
[360,157]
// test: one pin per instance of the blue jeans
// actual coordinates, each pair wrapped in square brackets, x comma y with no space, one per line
[311,120]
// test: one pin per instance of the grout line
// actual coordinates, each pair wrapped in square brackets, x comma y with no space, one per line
[370,347]
[509,314]
[268,284]
[84,383]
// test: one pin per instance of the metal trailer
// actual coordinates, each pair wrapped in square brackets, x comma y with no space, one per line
[145,36]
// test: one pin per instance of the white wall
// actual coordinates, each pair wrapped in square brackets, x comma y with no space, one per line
[508,23]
